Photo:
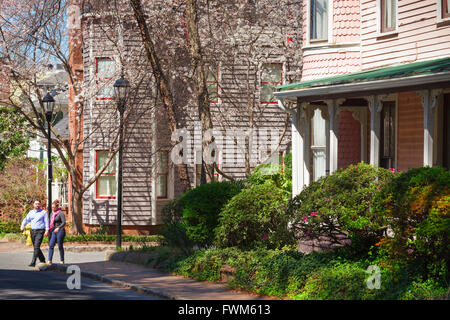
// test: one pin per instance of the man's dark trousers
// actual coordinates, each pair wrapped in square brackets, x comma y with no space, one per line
[36,237]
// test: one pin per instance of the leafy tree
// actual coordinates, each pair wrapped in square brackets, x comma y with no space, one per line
[13,137]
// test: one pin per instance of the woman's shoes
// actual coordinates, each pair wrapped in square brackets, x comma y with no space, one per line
[49,263]
[62,262]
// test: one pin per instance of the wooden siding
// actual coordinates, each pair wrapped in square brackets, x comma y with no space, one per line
[420,37]
[101,127]
[147,129]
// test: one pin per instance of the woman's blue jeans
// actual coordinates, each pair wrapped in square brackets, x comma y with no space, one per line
[57,237]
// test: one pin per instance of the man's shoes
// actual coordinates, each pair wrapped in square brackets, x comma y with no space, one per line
[32,264]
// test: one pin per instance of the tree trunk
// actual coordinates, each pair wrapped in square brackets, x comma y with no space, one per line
[76,209]
[199,79]
[162,84]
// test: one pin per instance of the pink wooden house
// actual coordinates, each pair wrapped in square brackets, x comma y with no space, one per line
[375,87]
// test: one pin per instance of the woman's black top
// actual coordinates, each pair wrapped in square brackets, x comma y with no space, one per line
[60,220]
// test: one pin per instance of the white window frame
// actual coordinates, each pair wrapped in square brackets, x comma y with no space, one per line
[439,17]
[283,73]
[219,85]
[379,29]
[94,170]
[308,26]
[167,175]
[100,83]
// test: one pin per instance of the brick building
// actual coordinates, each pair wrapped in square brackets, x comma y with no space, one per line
[105,42]
[375,87]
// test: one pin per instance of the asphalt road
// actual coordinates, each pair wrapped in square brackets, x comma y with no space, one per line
[18,281]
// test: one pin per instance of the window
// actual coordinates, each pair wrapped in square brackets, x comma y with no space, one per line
[387,135]
[275,158]
[106,183]
[445,5]
[216,173]
[388,15]
[198,174]
[318,24]
[105,70]
[318,145]
[198,168]
[162,175]
[212,84]
[271,77]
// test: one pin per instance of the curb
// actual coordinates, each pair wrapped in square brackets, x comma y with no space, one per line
[83,248]
[98,277]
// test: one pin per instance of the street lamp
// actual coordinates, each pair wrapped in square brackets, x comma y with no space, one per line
[49,104]
[121,87]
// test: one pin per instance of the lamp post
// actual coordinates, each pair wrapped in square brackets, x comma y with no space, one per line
[121,87]
[49,104]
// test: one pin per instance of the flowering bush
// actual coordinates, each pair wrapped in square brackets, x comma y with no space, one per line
[416,204]
[21,183]
[340,206]
[255,217]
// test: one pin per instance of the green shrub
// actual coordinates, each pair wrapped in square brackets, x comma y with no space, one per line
[417,206]
[201,208]
[341,205]
[428,290]
[346,281]
[255,217]
[9,227]
[280,175]
[173,229]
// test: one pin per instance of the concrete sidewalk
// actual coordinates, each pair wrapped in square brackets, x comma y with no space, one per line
[138,277]
[151,281]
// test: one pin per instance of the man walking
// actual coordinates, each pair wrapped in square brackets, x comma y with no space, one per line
[39,230]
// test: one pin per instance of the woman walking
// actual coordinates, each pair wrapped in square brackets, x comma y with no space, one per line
[57,231]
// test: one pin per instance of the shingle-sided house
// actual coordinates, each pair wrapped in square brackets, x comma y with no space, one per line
[375,87]
[241,76]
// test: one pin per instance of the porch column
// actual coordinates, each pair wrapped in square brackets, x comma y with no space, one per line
[300,160]
[297,154]
[333,113]
[375,107]
[429,100]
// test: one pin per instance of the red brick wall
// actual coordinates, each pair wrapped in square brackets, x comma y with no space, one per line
[410,131]
[349,140]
